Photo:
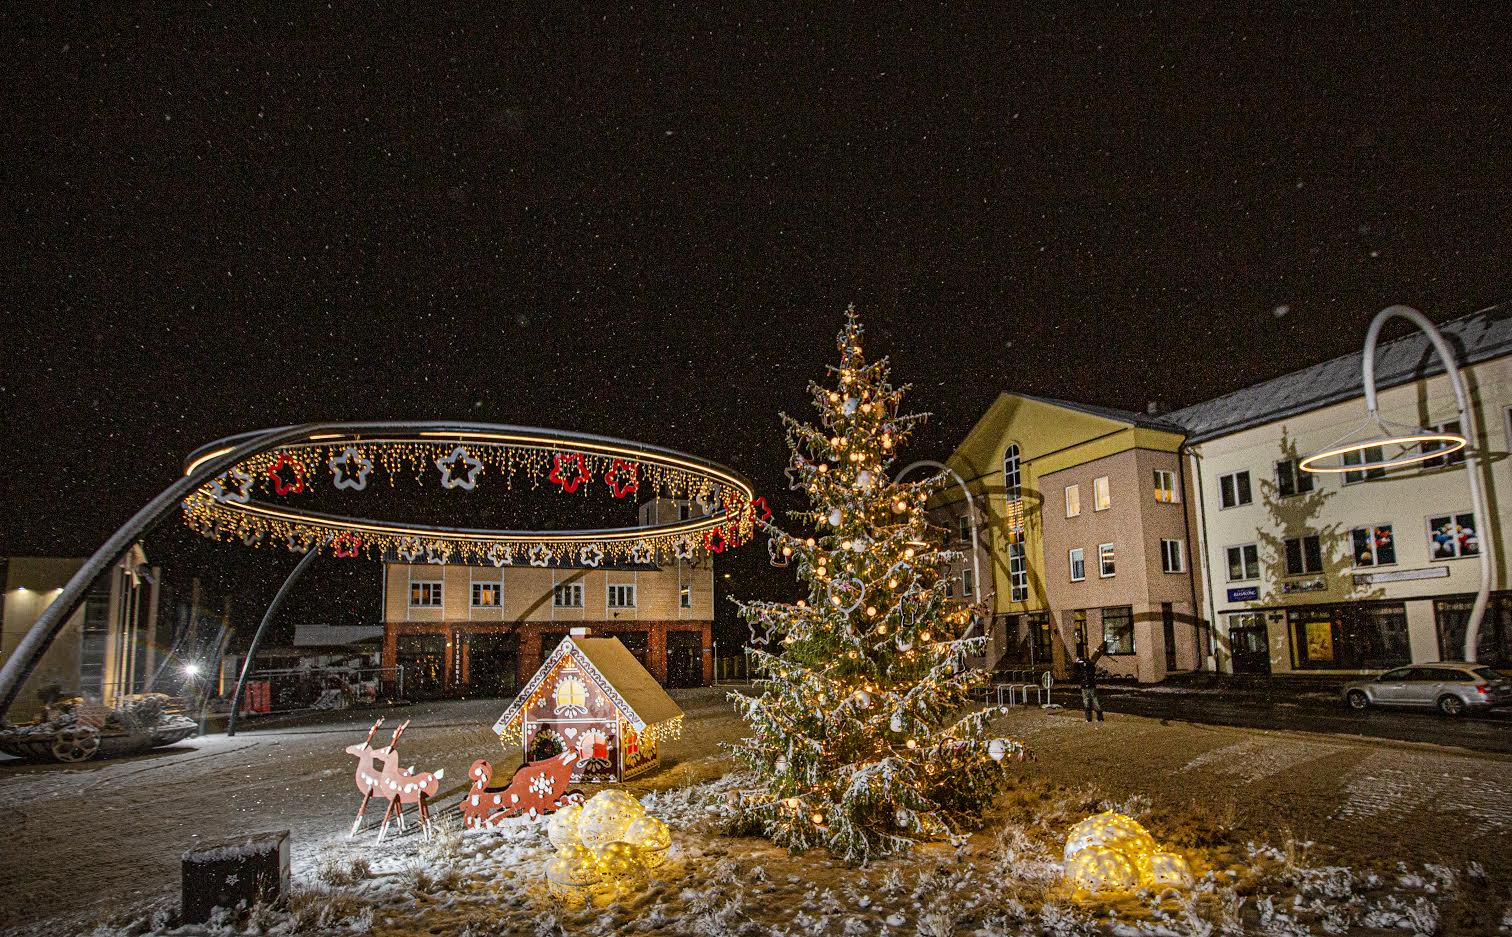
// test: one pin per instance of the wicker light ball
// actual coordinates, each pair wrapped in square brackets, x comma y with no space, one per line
[605,818]
[1111,830]
[620,866]
[652,838]
[1168,870]
[1098,870]
[562,828]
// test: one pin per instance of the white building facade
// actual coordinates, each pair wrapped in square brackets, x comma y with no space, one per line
[1357,572]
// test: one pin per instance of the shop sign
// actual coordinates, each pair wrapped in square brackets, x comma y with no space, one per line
[1400,575]
[1292,586]
[1244,594]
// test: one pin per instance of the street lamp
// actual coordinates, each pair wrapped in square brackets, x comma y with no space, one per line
[1404,445]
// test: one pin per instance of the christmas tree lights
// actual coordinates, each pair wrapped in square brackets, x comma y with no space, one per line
[864,735]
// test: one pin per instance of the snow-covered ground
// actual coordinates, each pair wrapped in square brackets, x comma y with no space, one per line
[1289,834]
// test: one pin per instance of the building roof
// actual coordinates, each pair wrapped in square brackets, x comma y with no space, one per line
[1479,336]
[615,670]
[1108,413]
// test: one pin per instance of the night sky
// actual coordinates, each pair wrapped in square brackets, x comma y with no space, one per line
[649,225]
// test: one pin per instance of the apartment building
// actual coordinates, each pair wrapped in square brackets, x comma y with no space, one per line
[478,630]
[1082,522]
[1361,571]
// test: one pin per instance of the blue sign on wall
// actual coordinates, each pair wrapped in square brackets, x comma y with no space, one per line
[1244,594]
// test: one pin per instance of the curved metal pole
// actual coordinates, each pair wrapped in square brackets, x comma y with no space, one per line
[1472,450]
[39,638]
[976,564]
[273,607]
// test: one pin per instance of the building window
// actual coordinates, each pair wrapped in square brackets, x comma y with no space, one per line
[1018,568]
[1165,487]
[1373,546]
[1012,480]
[569,595]
[1172,556]
[486,594]
[1454,458]
[1243,562]
[684,511]
[1451,536]
[1234,489]
[685,597]
[1073,500]
[1291,480]
[950,587]
[1303,555]
[1118,629]
[1358,457]
[963,525]
[1078,558]
[621,596]
[571,695]
[1105,564]
[968,582]
[425,594]
[1101,500]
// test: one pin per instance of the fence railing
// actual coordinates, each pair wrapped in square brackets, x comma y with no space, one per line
[278,691]
[731,669]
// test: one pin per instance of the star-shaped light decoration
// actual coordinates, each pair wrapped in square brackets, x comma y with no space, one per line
[715,540]
[498,554]
[459,458]
[623,478]
[345,545]
[764,636]
[640,552]
[539,555]
[281,481]
[234,485]
[437,552]
[683,548]
[342,468]
[298,543]
[775,552]
[409,549]
[759,511]
[591,555]
[252,536]
[708,500]
[576,471]
[794,474]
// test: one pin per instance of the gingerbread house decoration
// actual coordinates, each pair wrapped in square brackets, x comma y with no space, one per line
[593,697]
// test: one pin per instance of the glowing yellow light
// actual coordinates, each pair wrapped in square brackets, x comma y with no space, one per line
[1453,443]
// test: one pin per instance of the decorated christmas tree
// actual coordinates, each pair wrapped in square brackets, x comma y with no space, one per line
[865,737]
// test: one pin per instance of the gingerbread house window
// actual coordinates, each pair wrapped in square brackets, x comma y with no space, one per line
[571,695]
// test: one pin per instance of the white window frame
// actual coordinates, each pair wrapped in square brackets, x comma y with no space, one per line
[1355,560]
[567,595]
[1173,489]
[1172,550]
[1299,477]
[949,587]
[1106,554]
[1453,459]
[1248,483]
[1018,569]
[685,597]
[1428,525]
[1013,481]
[1302,540]
[1373,454]
[620,589]
[968,582]
[1228,566]
[1076,556]
[1102,494]
[496,588]
[963,524]
[1073,500]
[437,588]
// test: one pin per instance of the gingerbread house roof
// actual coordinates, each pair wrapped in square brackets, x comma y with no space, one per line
[615,670]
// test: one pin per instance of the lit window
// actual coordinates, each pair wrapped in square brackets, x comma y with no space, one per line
[622,596]
[1012,480]
[425,594]
[1101,500]
[1234,489]
[1303,555]
[569,595]
[1451,536]
[1073,500]
[1373,546]
[1172,556]
[1243,562]
[1454,458]
[1369,455]
[685,597]
[1291,480]
[571,694]
[1105,565]
[1118,629]
[485,595]
[1165,487]
[1078,558]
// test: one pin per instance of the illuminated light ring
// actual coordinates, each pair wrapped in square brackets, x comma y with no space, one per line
[1456,443]
[709,476]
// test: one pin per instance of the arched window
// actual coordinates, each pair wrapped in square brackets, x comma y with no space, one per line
[1012,481]
[570,695]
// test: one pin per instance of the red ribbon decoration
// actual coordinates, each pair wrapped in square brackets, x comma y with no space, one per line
[618,470]
[345,545]
[569,485]
[281,486]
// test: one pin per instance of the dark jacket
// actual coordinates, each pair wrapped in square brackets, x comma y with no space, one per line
[1089,670]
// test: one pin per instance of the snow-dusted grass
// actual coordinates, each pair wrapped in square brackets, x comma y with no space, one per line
[1004,879]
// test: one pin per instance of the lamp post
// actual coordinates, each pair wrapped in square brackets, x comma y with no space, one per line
[1415,438]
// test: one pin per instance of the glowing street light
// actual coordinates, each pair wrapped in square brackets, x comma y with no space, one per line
[191,669]
[1405,445]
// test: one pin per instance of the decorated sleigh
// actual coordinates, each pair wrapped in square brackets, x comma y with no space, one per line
[75,731]
[537,788]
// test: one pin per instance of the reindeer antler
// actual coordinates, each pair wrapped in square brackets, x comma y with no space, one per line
[398,732]
[371,732]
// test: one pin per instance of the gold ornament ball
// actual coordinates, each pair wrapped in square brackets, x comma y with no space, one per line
[619,864]
[562,830]
[652,838]
[605,817]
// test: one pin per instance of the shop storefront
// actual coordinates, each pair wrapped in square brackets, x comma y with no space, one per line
[1352,636]
[1452,614]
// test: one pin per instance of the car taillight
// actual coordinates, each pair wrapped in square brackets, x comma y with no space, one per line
[1482,689]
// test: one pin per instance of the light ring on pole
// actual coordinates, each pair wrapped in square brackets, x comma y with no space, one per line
[1453,443]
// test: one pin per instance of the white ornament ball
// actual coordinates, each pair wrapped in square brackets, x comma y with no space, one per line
[864,479]
[562,829]
[1168,870]
[997,749]
[858,545]
[864,698]
[850,406]
[902,817]
[834,517]
[1097,870]
[897,723]
[605,818]
[780,765]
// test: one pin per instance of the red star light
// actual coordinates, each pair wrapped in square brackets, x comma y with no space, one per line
[346,545]
[622,478]
[280,483]
[556,477]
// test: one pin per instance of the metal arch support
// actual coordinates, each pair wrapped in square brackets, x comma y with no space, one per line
[1467,429]
[273,608]
[18,667]
[976,563]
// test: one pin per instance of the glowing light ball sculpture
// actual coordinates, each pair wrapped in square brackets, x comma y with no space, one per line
[1109,853]
[604,846]
[1168,870]
[1098,870]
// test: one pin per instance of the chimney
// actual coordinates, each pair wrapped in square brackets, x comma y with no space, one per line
[579,632]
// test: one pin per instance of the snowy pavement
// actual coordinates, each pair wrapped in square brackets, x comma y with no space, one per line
[1293,832]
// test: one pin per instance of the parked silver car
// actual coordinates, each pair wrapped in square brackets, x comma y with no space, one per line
[1451,686]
